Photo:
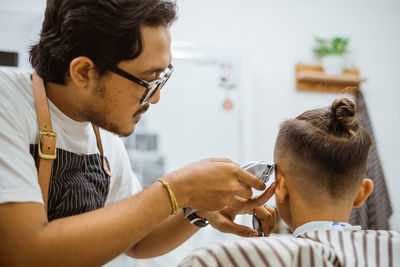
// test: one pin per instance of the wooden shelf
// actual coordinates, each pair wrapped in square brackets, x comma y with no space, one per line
[312,78]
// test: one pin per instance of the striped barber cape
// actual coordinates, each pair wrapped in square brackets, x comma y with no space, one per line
[318,248]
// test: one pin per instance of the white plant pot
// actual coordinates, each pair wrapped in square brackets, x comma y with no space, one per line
[333,64]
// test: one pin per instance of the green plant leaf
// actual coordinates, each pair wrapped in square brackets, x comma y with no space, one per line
[337,45]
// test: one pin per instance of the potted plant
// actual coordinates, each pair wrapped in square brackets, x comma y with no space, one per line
[331,53]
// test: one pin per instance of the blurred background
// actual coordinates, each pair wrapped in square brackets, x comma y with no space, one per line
[235,80]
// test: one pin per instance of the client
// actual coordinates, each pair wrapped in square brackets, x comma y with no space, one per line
[320,159]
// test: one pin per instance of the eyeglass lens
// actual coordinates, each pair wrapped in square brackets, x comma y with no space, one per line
[158,84]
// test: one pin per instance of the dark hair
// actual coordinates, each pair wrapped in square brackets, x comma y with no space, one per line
[328,144]
[106,31]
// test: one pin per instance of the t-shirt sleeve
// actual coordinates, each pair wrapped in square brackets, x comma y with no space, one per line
[18,174]
[124,182]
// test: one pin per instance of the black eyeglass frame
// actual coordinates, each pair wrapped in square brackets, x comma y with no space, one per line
[151,87]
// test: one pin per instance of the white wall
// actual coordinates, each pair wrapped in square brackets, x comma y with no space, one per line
[38,5]
[271,36]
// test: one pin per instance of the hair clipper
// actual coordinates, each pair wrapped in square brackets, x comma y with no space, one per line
[262,170]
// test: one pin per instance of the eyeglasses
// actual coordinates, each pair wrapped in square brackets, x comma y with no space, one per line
[151,87]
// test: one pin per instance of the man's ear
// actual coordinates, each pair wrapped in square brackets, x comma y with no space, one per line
[81,70]
[366,189]
[281,191]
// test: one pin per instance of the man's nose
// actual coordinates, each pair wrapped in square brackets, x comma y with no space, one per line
[156,97]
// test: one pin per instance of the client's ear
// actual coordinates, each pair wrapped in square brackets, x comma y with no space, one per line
[366,189]
[281,190]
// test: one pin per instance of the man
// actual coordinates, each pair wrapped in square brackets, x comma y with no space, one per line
[103,63]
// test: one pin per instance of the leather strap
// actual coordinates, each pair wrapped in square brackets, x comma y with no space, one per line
[100,148]
[47,138]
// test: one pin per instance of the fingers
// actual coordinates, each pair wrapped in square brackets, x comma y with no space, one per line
[249,180]
[218,181]
[223,160]
[260,200]
[268,217]
[229,213]
[236,202]
[244,192]
[227,226]
[273,219]
[265,196]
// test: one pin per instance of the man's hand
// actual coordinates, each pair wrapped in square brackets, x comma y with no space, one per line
[212,184]
[267,215]
[248,206]
[222,220]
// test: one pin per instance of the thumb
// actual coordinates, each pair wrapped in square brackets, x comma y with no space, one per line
[236,229]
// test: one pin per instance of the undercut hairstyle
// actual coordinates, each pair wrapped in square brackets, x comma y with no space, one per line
[327,146]
[106,31]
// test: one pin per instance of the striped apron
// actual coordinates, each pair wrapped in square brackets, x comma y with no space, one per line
[78,183]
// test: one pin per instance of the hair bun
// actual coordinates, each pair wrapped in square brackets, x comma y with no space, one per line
[344,113]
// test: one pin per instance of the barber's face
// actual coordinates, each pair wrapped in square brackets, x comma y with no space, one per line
[115,104]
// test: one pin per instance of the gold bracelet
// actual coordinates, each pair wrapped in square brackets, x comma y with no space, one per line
[171,196]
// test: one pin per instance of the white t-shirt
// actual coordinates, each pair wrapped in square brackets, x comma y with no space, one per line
[19,131]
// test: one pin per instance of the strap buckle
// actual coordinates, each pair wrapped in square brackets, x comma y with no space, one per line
[41,154]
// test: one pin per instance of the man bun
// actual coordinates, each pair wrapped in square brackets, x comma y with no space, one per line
[344,116]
